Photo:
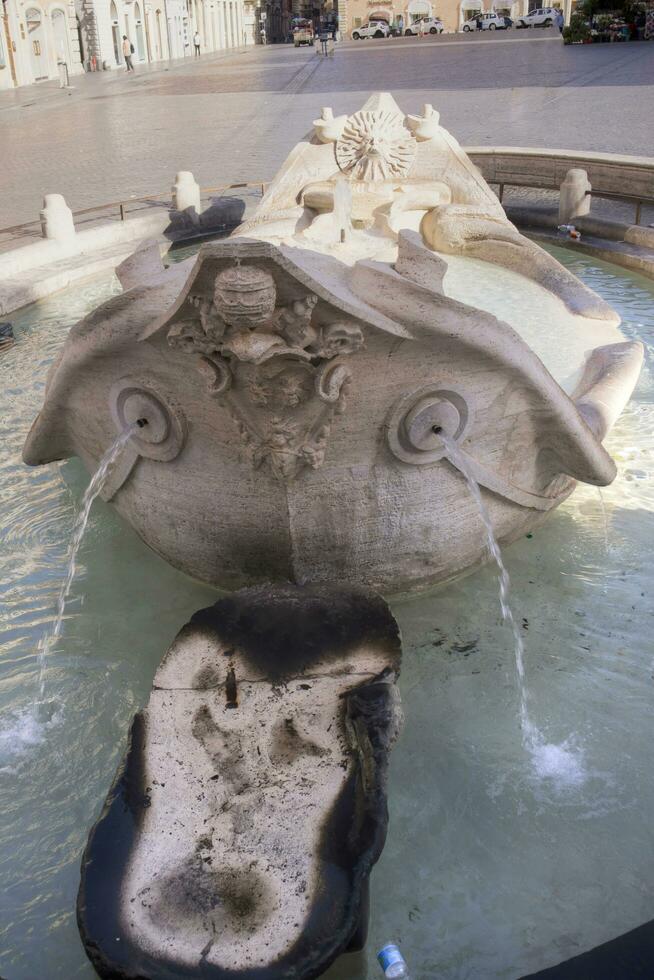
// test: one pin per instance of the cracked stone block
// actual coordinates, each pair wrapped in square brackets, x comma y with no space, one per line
[238,837]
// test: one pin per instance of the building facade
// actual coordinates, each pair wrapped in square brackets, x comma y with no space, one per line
[158,29]
[39,39]
[453,13]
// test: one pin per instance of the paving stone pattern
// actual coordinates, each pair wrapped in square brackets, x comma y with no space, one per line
[234,116]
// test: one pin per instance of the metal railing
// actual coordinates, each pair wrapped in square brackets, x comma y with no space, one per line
[621,167]
[506,167]
[638,200]
[120,209]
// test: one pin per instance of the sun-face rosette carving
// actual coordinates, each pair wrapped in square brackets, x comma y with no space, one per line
[375,146]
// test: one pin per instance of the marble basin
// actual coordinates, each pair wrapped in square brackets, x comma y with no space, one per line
[296,378]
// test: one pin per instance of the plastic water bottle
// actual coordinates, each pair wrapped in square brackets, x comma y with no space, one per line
[392,962]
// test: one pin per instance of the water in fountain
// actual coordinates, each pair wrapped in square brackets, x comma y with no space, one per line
[605,520]
[510,856]
[92,491]
[561,763]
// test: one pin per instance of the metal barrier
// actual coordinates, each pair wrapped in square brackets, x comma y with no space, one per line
[502,166]
[122,208]
[545,169]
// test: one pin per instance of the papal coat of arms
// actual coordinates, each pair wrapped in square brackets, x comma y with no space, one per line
[282,375]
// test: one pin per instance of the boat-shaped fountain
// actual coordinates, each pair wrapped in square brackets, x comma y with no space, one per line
[314,397]
[295,377]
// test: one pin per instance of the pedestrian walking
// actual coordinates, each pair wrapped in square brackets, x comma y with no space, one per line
[196,43]
[324,38]
[560,20]
[128,51]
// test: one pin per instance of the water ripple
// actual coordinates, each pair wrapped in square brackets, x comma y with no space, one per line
[489,844]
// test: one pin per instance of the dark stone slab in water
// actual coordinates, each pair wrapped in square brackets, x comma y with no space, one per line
[629,957]
[6,336]
[239,834]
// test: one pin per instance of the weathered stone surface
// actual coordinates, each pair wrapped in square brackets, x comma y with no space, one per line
[410,164]
[574,195]
[186,196]
[286,374]
[6,336]
[239,835]
[142,266]
[639,235]
[56,218]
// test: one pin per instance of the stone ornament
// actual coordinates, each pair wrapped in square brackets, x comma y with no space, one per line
[375,145]
[417,419]
[351,298]
[426,126]
[274,368]
[414,431]
[57,219]
[162,439]
[244,296]
[328,128]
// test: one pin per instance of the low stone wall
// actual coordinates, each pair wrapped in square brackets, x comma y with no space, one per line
[66,254]
[608,173]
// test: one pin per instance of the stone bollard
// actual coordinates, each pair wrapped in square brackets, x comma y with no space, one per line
[574,201]
[57,219]
[186,196]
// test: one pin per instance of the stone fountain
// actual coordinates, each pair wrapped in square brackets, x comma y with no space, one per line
[295,376]
[294,383]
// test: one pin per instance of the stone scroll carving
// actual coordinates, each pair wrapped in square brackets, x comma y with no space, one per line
[280,371]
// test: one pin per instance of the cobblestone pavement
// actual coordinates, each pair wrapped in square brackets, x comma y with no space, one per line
[234,116]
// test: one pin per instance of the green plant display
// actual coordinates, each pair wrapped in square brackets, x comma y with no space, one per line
[577,31]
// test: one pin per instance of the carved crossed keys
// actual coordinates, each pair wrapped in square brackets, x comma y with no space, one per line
[277,368]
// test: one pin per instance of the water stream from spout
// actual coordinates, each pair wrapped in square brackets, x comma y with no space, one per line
[605,520]
[342,209]
[562,763]
[92,491]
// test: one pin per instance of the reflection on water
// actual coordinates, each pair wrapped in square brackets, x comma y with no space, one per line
[489,871]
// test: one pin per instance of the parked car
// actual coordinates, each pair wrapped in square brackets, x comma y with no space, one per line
[375,28]
[426,25]
[492,22]
[471,25]
[542,17]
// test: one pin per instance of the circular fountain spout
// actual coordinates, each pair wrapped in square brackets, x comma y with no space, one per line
[420,420]
[431,417]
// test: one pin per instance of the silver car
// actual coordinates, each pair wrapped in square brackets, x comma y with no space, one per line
[542,17]
[376,28]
